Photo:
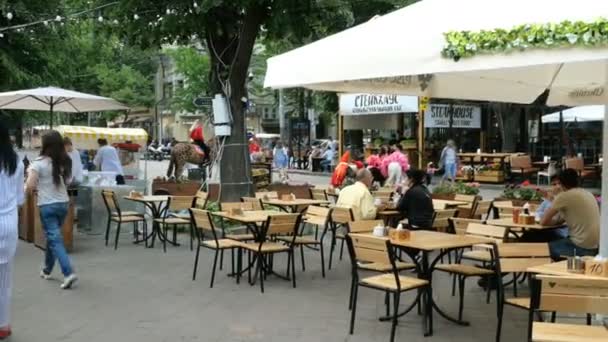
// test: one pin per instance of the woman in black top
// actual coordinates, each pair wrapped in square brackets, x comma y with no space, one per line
[416,204]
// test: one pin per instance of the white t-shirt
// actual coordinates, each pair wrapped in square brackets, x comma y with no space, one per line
[12,189]
[48,192]
[107,159]
[76,166]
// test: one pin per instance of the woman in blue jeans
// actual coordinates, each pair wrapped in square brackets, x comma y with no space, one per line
[49,174]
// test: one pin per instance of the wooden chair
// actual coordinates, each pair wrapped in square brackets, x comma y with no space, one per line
[318,217]
[462,271]
[120,217]
[365,249]
[516,258]
[466,210]
[256,203]
[202,199]
[481,253]
[204,226]
[267,194]
[228,206]
[572,295]
[578,164]
[459,225]
[502,209]
[168,218]
[441,219]
[339,217]
[318,194]
[275,226]
[481,210]
[522,166]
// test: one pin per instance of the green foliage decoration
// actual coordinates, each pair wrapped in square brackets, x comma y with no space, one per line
[462,44]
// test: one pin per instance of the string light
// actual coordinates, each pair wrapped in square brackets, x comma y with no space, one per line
[58,18]
[1,35]
[135,16]
[9,16]
[100,19]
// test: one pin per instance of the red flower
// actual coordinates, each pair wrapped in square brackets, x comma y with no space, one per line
[526,183]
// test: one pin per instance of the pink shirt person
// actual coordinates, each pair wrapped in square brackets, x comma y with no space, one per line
[395,157]
[374,161]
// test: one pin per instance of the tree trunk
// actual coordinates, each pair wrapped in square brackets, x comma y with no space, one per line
[19,131]
[230,40]
[508,122]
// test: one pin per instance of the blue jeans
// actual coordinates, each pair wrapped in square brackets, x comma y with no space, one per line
[326,165]
[565,247]
[52,217]
[450,171]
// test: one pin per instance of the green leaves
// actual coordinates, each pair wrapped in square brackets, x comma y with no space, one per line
[194,66]
[462,44]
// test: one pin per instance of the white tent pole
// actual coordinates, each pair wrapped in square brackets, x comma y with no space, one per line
[604,219]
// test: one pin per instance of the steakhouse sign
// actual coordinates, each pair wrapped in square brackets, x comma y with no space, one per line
[364,104]
[438,116]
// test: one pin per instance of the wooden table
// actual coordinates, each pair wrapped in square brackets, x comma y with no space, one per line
[427,242]
[153,203]
[560,269]
[293,205]
[508,223]
[447,204]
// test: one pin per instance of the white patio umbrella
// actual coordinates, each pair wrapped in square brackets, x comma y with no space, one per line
[401,53]
[53,99]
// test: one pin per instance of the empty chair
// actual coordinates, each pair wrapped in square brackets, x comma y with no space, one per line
[459,225]
[176,205]
[120,217]
[227,207]
[522,166]
[318,194]
[441,219]
[339,218]
[482,209]
[548,173]
[256,203]
[369,249]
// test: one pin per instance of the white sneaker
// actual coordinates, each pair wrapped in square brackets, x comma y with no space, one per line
[69,281]
[45,276]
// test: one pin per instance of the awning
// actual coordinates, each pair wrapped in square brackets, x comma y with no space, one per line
[577,114]
[86,137]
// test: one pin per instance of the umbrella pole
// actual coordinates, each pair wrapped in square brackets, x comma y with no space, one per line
[52,104]
[604,209]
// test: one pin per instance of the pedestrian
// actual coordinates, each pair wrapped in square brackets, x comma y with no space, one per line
[280,157]
[107,160]
[449,161]
[49,174]
[11,183]
[76,161]
[395,165]
[328,159]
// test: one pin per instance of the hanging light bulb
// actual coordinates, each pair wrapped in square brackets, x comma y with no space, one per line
[45,23]
[115,21]
[135,16]
[58,18]
[1,35]
[100,19]
[168,11]
[195,5]
[9,16]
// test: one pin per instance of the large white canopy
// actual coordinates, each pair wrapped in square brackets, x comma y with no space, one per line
[53,99]
[388,53]
[577,114]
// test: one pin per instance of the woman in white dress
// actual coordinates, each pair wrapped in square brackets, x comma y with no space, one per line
[11,197]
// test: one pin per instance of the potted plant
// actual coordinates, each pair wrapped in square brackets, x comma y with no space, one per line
[447,190]
[521,194]
[465,173]
[491,173]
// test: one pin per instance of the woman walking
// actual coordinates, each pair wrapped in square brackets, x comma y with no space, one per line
[11,196]
[281,160]
[449,161]
[49,174]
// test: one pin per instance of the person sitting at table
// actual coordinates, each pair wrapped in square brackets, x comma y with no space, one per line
[358,198]
[416,204]
[581,213]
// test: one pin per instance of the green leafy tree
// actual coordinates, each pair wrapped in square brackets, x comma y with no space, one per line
[194,66]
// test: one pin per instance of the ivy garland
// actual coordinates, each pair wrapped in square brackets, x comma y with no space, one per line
[461,44]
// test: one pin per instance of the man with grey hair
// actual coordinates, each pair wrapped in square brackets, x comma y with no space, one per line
[358,198]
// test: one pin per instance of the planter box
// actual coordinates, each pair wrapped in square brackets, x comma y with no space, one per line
[27,218]
[447,197]
[176,189]
[490,176]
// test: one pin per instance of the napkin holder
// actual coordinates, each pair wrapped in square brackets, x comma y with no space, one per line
[596,268]
[288,198]
[136,194]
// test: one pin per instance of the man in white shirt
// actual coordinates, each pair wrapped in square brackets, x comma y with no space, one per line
[107,160]
[76,161]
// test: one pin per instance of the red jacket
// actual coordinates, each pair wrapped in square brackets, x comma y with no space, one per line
[197,134]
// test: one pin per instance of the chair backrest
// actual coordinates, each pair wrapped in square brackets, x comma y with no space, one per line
[504,208]
[179,203]
[203,222]
[109,198]
[227,206]
[570,294]
[441,219]
[521,162]
[577,164]
[256,203]
[482,209]
[524,250]
[384,195]
[370,249]
[484,230]
[201,199]
[269,194]
[363,226]
[552,169]
[341,215]
[318,194]
[283,224]
[460,224]
[317,215]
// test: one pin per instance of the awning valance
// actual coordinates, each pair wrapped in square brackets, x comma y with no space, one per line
[86,137]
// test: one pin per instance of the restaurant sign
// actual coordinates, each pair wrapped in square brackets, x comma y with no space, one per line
[439,116]
[364,104]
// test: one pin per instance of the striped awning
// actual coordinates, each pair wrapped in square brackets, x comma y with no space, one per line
[84,137]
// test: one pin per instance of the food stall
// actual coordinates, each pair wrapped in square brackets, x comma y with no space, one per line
[131,144]
[367,121]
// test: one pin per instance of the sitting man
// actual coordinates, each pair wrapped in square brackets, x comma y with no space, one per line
[358,198]
[581,213]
